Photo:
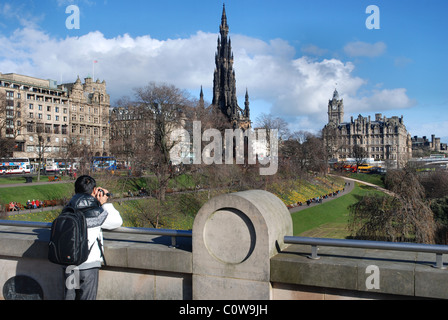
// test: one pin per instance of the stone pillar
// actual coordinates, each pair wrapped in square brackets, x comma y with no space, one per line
[234,237]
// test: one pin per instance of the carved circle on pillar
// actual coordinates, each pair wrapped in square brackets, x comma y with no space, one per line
[234,245]
[234,237]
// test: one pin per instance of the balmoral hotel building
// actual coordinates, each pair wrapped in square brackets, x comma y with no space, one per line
[65,121]
[382,139]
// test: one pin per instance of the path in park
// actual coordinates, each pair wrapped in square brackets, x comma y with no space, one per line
[349,185]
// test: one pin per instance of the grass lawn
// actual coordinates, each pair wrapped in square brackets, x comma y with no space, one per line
[377,179]
[329,219]
[42,192]
[45,216]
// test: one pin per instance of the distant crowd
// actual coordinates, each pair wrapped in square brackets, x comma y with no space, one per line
[35,204]
[321,198]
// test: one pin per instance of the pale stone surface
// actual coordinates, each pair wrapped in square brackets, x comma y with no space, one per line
[234,237]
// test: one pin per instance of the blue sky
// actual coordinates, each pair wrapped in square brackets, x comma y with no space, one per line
[289,54]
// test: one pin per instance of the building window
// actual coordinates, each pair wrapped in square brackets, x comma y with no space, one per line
[20,146]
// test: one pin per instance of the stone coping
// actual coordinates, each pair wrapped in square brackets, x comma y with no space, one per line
[396,272]
[121,250]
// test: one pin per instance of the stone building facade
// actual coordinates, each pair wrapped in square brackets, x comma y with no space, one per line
[382,138]
[89,115]
[50,120]
[422,145]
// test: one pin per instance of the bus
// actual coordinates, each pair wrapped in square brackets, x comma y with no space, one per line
[365,168]
[15,166]
[58,165]
[104,163]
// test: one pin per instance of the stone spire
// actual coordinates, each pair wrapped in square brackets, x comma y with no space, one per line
[246,105]
[224,81]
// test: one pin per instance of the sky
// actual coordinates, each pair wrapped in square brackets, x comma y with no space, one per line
[289,54]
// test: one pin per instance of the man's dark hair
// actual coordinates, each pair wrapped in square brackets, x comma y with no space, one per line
[85,184]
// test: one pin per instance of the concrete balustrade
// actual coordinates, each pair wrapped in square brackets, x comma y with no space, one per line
[236,251]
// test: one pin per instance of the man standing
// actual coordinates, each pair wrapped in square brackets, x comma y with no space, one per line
[92,201]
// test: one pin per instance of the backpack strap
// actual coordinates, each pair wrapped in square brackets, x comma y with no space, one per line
[100,245]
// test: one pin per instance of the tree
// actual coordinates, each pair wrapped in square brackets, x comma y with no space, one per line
[435,184]
[359,153]
[304,151]
[11,125]
[270,122]
[126,122]
[164,105]
[41,135]
[405,216]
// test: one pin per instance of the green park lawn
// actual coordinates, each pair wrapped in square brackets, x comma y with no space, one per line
[329,219]
[42,192]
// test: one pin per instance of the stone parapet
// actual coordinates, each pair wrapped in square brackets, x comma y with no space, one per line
[343,273]
[236,251]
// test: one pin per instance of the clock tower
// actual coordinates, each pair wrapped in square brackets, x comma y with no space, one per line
[336,109]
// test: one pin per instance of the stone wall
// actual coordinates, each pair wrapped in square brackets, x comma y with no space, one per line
[236,251]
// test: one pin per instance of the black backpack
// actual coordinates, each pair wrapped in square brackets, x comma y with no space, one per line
[68,240]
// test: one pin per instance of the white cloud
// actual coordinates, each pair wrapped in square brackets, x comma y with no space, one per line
[364,49]
[296,88]
[380,100]
[313,50]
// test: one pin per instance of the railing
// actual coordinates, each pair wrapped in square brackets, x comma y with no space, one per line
[439,250]
[149,231]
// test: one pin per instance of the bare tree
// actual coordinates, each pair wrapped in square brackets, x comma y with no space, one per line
[406,216]
[127,120]
[11,126]
[303,152]
[359,153]
[164,105]
[269,122]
